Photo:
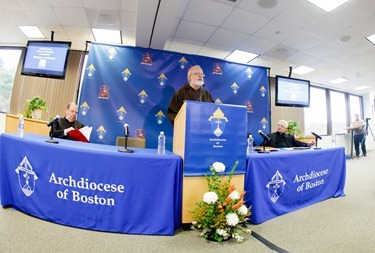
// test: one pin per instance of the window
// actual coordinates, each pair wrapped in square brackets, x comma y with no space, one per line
[338,112]
[9,59]
[355,106]
[316,114]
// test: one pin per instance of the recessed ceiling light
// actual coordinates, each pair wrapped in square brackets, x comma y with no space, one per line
[328,5]
[241,56]
[371,38]
[363,87]
[267,4]
[338,80]
[107,36]
[301,70]
[31,32]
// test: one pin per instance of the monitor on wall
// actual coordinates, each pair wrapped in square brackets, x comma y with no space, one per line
[46,59]
[292,92]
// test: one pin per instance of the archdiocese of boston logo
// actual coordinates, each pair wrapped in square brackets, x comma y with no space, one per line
[218,122]
[26,177]
[276,186]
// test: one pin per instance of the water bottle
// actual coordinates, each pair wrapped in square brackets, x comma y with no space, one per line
[250,144]
[21,124]
[161,143]
[333,140]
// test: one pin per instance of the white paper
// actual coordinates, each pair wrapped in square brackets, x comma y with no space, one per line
[86,131]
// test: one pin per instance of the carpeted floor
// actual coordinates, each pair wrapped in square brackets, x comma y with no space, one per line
[343,224]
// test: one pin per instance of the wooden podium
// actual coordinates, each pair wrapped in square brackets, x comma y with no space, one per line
[205,133]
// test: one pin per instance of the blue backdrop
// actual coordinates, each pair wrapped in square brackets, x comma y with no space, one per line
[133,85]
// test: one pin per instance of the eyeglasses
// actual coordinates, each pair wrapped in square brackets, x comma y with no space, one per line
[198,74]
[72,111]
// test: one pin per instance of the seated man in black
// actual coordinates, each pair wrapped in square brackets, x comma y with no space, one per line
[62,126]
[280,139]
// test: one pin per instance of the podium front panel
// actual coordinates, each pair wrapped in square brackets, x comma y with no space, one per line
[214,133]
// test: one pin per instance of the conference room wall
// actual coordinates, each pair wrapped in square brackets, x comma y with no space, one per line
[56,92]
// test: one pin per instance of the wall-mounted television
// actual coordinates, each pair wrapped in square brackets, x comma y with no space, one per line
[292,92]
[46,59]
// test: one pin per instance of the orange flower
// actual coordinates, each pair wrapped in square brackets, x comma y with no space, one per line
[238,205]
[231,188]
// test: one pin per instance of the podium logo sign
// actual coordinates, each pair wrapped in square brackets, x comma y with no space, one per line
[26,177]
[218,122]
[276,186]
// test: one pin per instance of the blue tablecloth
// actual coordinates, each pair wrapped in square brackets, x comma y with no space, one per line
[91,186]
[283,181]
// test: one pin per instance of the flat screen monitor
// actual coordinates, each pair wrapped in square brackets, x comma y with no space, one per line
[292,92]
[46,59]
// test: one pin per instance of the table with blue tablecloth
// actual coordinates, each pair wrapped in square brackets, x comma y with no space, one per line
[91,186]
[284,181]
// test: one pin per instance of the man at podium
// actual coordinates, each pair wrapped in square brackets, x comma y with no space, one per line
[191,91]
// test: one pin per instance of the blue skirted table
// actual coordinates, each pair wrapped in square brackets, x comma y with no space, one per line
[91,186]
[284,181]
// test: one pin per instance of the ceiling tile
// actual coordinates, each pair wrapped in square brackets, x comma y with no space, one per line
[276,31]
[185,46]
[43,16]
[72,16]
[256,45]
[215,51]
[194,31]
[301,40]
[207,12]
[244,21]
[19,17]
[300,14]
[227,38]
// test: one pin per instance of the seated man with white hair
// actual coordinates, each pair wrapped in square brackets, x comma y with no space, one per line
[280,139]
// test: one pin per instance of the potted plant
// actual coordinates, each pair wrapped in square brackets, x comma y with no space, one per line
[35,107]
[293,128]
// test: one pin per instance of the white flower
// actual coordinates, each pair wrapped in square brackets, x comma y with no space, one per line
[234,195]
[220,231]
[242,210]
[232,219]
[237,237]
[218,167]
[210,197]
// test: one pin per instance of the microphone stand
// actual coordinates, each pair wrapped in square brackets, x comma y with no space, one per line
[125,149]
[51,140]
[316,142]
[264,148]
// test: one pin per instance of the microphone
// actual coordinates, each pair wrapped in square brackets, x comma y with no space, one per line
[202,91]
[316,135]
[125,148]
[263,135]
[51,122]
[126,129]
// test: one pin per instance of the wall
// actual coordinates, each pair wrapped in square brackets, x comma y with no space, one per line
[57,93]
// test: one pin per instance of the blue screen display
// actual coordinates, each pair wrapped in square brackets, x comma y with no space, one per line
[292,92]
[46,59]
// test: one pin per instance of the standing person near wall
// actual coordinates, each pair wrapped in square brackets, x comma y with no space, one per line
[359,137]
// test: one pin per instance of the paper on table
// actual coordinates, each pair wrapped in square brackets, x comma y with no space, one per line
[86,131]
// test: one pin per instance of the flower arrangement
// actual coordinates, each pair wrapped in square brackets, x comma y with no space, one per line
[221,214]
